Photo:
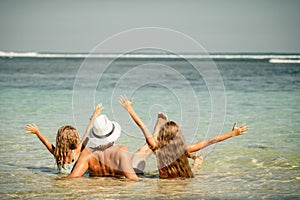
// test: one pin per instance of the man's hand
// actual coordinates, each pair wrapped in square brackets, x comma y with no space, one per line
[239,130]
[125,103]
[98,110]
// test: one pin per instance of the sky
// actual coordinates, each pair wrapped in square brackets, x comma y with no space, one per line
[218,25]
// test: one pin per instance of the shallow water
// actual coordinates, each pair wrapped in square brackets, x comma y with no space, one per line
[264,163]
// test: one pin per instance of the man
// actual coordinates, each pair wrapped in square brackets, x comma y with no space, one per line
[105,159]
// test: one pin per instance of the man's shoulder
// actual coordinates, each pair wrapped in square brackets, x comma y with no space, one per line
[121,147]
[113,150]
[116,150]
[86,151]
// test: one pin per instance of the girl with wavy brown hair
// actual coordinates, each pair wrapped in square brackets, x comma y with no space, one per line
[68,144]
[171,152]
[169,146]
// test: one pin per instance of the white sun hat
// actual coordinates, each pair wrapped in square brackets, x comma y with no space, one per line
[104,131]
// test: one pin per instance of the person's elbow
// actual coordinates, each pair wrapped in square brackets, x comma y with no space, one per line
[135,178]
[191,148]
[151,142]
[132,176]
[72,175]
[69,176]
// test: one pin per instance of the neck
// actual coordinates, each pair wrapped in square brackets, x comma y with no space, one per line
[105,146]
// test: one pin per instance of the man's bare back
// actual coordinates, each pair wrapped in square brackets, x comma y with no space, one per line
[113,161]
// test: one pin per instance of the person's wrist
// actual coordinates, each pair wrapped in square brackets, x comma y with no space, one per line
[92,116]
[129,109]
[234,133]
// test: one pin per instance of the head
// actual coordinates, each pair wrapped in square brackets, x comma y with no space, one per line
[67,139]
[104,131]
[170,132]
[171,152]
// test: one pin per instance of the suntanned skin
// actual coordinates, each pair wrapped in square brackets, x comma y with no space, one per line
[139,158]
[151,139]
[236,131]
[110,162]
[33,129]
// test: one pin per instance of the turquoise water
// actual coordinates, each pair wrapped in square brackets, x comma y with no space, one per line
[264,163]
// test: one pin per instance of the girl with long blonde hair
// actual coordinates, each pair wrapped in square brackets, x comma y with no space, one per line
[169,146]
[68,144]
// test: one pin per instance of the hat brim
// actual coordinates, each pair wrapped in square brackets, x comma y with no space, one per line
[103,141]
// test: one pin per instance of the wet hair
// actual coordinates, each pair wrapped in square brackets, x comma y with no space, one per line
[171,152]
[67,139]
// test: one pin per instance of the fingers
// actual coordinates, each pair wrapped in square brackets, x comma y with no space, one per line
[26,127]
[97,110]
[122,99]
[243,125]
[244,128]
[131,100]
[234,125]
[31,128]
[240,129]
[99,106]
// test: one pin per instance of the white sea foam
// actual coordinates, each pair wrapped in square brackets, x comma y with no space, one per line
[284,61]
[274,58]
[40,55]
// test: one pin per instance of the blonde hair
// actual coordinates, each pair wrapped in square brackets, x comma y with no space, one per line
[67,139]
[171,152]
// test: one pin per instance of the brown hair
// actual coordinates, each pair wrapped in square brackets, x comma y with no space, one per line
[171,152]
[67,139]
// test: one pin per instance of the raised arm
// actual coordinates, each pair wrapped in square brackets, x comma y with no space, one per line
[127,169]
[202,144]
[128,106]
[33,129]
[95,114]
[82,165]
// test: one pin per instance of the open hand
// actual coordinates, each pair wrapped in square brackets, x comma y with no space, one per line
[32,129]
[98,110]
[125,103]
[239,130]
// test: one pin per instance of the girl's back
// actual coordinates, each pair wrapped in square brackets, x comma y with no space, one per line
[171,153]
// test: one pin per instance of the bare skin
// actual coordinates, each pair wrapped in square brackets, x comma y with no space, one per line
[113,161]
[33,129]
[236,131]
[151,139]
[141,155]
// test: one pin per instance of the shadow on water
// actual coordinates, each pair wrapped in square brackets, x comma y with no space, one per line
[115,188]
[256,146]
[42,169]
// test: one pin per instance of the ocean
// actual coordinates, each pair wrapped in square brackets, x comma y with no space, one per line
[205,95]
